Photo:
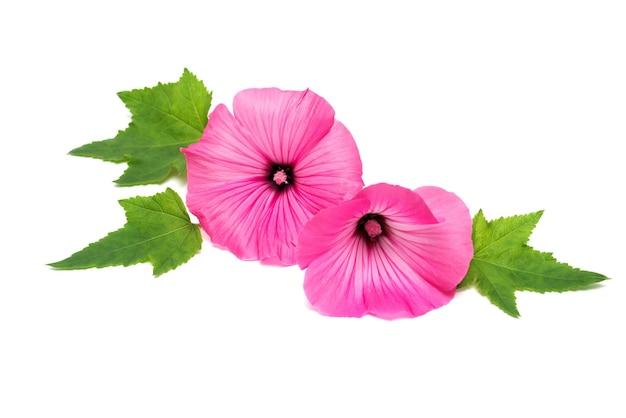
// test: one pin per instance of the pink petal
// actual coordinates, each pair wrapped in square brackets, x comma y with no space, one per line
[230,211]
[222,154]
[285,124]
[355,280]
[330,228]
[248,218]
[453,235]
[327,248]
[398,204]
[330,172]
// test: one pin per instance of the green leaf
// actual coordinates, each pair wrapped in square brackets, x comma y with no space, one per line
[503,263]
[158,230]
[164,119]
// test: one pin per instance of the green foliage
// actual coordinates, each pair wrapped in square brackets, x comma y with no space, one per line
[158,230]
[164,119]
[504,263]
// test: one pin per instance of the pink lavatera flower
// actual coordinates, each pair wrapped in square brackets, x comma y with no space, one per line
[258,175]
[389,252]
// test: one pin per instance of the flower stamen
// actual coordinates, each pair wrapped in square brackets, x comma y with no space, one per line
[280,176]
[371,226]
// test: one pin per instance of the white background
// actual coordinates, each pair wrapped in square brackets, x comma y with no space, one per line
[514,106]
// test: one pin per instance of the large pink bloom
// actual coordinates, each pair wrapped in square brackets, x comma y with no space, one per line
[257,176]
[389,252]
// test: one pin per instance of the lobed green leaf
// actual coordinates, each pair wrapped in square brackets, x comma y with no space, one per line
[158,230]
[164,119]
[503,263]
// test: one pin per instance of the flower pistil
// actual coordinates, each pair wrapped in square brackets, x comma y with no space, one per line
[371,226]
[281,175]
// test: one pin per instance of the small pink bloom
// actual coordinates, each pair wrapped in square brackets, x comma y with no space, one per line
[258,175]
[389,252]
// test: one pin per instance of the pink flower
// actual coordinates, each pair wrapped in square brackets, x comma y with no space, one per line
[389,252]
[256,177]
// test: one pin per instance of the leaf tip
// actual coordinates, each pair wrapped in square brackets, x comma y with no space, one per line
[60,265]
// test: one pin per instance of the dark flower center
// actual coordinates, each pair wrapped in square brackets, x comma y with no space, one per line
[281,176]
[371,226]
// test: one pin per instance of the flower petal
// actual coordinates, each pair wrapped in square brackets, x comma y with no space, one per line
[329,229]
[397,204]
[230,211]
[355,279]
[286,124]
[450,246]
[222,154]
[330,172]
